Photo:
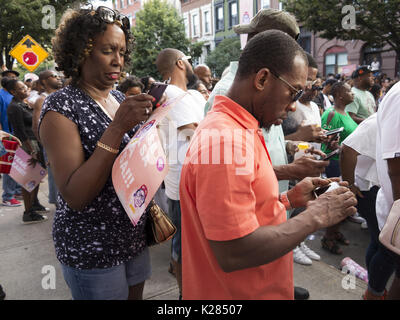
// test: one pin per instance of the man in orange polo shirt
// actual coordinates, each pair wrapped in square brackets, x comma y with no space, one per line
[236,242]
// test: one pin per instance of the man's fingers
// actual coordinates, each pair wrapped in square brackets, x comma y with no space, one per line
[350,211]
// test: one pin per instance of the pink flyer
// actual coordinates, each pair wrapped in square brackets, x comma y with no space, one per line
[23,173]
[142,166]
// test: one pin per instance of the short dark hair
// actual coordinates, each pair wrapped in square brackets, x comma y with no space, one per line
[337,88]
[10,84]
[311,61]
[130,82]
[330,82]
[271,49]
[77,28]
[4,81]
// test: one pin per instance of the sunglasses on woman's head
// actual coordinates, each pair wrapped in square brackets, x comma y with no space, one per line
[109,15]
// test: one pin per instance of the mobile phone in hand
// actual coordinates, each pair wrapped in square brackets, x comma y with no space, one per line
[329,155]
[335,131]
[156,90]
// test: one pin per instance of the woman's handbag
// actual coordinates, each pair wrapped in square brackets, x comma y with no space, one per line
[390,234]
[159,226]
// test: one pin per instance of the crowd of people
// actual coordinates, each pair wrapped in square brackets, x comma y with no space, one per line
[241,221]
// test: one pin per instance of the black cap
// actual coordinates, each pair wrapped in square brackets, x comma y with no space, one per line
[10,71]
[360,71]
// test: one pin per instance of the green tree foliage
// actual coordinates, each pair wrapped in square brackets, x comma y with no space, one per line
[377,21]
[158,26]
[228,50]
[20,17]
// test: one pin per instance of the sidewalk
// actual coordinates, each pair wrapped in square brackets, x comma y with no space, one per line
[27,259]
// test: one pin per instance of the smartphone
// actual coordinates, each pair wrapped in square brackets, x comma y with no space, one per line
[156,90]
[335,131]
[321,190]
[330,155]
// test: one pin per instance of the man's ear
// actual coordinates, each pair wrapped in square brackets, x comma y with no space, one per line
[180,64]
[261,79]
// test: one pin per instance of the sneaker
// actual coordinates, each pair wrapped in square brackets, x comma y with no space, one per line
[39,208]
[308,252]
[300,257]
[31,217]
[356,218]
[12,203]
[19,196]
[364,225]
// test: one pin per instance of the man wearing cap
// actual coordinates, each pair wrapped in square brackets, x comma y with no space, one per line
[364,103]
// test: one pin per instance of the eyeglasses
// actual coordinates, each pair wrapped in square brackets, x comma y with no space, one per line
[110,16]
[298,93]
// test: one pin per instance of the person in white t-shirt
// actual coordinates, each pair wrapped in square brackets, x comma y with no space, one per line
[358,167]
[388,165]
[176,130]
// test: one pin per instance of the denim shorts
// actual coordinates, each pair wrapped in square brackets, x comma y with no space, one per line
[110,283]
[174,212]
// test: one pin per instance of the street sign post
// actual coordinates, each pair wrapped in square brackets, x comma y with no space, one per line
[29,53]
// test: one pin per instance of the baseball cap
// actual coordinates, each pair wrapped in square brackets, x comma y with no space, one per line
[10,71]
[30,76]
[267,19]
[360,71]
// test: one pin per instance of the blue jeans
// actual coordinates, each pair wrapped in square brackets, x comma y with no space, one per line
[110,283]
[380,261]
[9,187]
[174,211]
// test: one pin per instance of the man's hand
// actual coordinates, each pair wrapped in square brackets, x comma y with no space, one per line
[306,166]
[303,191]
[332,207]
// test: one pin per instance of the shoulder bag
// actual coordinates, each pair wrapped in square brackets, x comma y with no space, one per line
[390,234]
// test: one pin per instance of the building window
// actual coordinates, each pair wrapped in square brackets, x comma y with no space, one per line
[219,17]
[195,25]
[265,4]
[233,14]
[129,2]
[121,3]
[186,23]
[335,60]
[305,39]
[207,22]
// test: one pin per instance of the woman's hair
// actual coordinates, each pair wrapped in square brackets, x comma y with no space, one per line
[74,37]
[130,82]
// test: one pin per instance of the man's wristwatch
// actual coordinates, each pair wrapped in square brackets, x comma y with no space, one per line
[285,200]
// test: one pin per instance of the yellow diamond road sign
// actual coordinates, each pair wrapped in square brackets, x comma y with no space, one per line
[29,53]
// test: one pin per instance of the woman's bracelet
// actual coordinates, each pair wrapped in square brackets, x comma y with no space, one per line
[107,148]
